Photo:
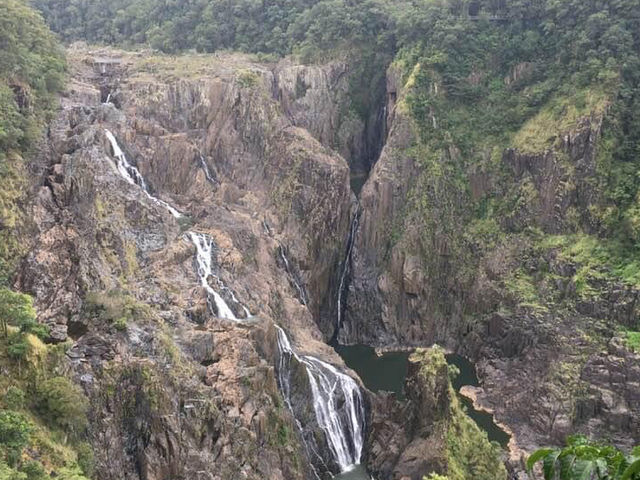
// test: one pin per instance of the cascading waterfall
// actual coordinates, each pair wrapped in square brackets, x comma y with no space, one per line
[345,270]
[337,402]
[204,247]
[202,242]
[302,293]
[133,176]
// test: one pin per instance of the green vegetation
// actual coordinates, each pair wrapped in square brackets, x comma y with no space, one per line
[467,450]
[248,78]
[597,259]
[16,309]
[582,459]
[31,73]
[116,307]
[632,340]
[62,404]
[210,25]
[42,414]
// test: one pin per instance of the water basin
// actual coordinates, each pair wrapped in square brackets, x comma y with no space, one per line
[483,419]
[378,373]
[389,371]
[357,473]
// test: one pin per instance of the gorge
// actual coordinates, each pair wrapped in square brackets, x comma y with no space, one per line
[372,241]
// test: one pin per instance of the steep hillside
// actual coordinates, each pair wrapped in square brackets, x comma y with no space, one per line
[499,220]
[197,230]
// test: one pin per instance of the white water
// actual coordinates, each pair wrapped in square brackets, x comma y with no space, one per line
[203,242]
[345,268]
[205,168]
[337,403]
[133,176]
[302,294]
[204,246]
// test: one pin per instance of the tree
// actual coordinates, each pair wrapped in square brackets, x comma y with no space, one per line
[584,460]
[14,434]
[15,309]
[62,404]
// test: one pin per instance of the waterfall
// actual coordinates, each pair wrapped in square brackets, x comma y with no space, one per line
[202,242]
[133,176]
[266,227]
[345,270]
[204,247]
[302,294]
[337,402]
[108,100]
[207,172]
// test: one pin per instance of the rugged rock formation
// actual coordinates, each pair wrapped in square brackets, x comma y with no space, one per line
[176,392]
[421,275]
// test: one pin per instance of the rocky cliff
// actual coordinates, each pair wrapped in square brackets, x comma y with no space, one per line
[174,390]
[496,258]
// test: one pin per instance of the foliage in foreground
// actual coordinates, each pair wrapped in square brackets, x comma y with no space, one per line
[584,460]
[43,415]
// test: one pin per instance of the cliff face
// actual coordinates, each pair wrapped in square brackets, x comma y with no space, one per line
[257,156]
[175,391]
[507,291]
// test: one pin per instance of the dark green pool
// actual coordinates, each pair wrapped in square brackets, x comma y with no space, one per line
[386,372]
[389,371]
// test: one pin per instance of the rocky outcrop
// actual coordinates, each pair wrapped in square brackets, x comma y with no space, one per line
[175,391]
[424,434]
[319,98]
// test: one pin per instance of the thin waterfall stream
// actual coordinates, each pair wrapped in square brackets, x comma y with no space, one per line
[344,274]
[207,172]
[202,242]
[132,175]
[204,249]
[302,293]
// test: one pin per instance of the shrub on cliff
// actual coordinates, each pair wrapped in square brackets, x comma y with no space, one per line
[16,309]
[62,404]
[14,435]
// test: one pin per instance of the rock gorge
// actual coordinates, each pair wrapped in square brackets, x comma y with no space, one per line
[259,157]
